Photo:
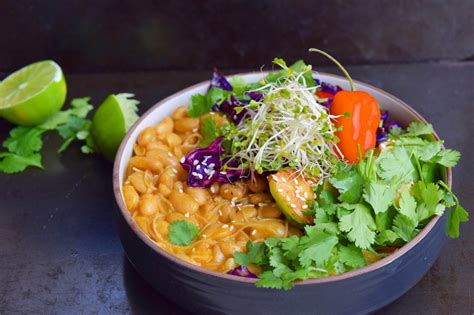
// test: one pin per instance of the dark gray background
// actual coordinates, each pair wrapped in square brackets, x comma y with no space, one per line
[59,253]
[109,35]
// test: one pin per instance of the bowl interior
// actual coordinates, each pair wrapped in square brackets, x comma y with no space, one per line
[399,111]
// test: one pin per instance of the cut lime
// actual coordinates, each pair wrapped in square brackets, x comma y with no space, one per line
[111,122]
[32,94]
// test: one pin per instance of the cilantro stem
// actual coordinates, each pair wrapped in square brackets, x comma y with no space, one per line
[443,184]
[418,167]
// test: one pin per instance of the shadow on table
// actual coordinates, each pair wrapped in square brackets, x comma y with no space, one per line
[143,299]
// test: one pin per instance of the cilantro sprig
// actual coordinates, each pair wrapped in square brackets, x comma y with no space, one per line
[384,201]
[24,143]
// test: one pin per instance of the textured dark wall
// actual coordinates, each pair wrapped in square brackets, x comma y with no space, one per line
[108,35]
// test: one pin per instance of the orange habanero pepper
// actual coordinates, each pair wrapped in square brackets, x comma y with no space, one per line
[359,117]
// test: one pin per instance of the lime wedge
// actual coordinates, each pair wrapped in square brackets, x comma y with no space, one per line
[32,94]
[111,122]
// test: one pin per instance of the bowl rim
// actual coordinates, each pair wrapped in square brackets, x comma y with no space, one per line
[223,276]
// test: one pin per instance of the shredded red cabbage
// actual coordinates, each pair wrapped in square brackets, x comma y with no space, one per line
[229,108]
[385,127]
[220,81]
[204,166]
[242,271]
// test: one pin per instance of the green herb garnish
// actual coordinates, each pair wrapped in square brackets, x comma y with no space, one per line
[182,233]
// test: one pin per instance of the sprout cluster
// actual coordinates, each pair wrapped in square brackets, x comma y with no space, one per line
[288,128]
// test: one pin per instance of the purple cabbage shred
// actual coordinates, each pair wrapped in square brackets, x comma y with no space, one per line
[385,127]
[327,87]
[219,81]
[229,108]
[204,166]
[242,271]
[255,96]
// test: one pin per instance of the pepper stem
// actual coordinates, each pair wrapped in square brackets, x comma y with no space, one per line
[338,64]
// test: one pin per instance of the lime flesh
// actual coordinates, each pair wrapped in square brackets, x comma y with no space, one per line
[32,94]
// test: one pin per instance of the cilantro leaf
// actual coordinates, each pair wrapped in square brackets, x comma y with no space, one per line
[268,280]
[395,163]
[360,225]
[351,256]
[198,106]
[379,195]
[209,132]
[255,253]
[239,86]
[448,158]
[456,217]
[429,197]
[80,107]
[387,238]
[407,206]
[14,163]
[418,128]
[404,227]
[215,96]
[74,128]
[182,233]
[317,245]
[349,183]
[24,141]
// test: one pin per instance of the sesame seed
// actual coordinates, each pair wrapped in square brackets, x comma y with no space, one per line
[280,190]
[293,205]
[180,190]
[220,212]
[198,167]
[288,198]
[186,214]
[283,179]
[169,154]
[232,227]
[275,178]
[253,232]
[174,170]
[310,182]
[262,204]
[182,160]
[305,194]
[225,226]
[195,162]
[204,236]
[295,181]
[195,130]
[305,207]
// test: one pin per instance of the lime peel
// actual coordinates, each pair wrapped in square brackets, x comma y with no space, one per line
[113,118]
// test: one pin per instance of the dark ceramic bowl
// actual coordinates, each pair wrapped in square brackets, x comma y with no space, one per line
[199,290]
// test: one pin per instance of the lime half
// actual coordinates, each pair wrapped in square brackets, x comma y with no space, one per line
[111,122]
[32,94]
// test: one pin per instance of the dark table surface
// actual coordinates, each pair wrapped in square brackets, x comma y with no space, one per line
[59,251]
